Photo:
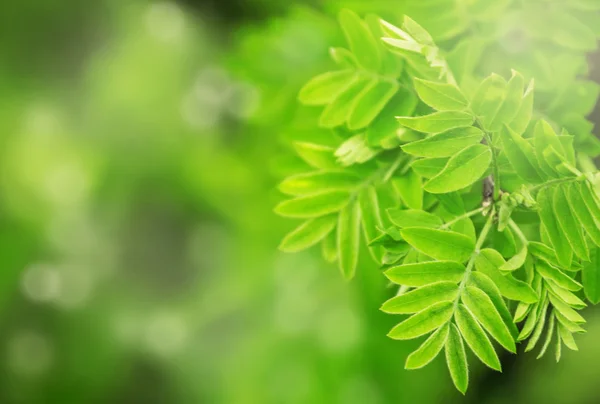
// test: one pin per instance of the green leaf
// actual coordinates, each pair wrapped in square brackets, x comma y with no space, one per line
[424,273]
[566,310]
[329,247]
[383,128]
[445,144]
[489,98]
[563,294]
[591,277]
[456,359]
[549,334]
[544,136]
[437,122]
[438,244]
[462,170]
[521,156]
[343,57]
[361,41]
[484,310]
[567,338]
[413,218]
[421,298]
[348,238]
[538,328]
[371,218]
[440,96]
[589,200]
[570,227]
[315,182]
[511,102]
[338,111]
[515,262]
[429,349]
[559,241]
[323,89]
[410,188]
[316,155]
[521,120]
[485,283]
[308,234]
[429,167]
[476,338]
[544,252]
[307,207]
[371,103]
[423,322]
[554,274]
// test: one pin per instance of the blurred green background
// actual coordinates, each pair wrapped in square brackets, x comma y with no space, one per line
[140,146]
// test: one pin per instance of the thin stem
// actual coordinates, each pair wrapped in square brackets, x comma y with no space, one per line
[461,217]
[518,231]
[482,237]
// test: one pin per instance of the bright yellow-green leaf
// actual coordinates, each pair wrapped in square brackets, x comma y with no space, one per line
[421,298]
[440,96]
[423,322]
[456,359]
[324,88]
[476,338]
[424,273]
[439,244]
[445,144]
[437,122]
[308,234]
[348,238]
[429,349]
[462,170]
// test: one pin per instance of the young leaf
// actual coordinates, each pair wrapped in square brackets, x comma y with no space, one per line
[423,322]
[523,117]
[371,218]
[589,199]
[566,296]
[591,277]
[483,309]
[421,298]
[362,43]
[515,262]
[570,227]
[437,122]
[348,237]
[429,349]
[457,360]
[511,102]
[559,242]
[424,273]
[566,310]
[371,103]
[410,188]
[445,144]
[338,111]
[544,136]
[585,217]
[554,274]
[308,234]
[440,96]
[521,156]
[413,218]
[549,334]
[316,155]
[325,88]
[476,338]
[462,170]
[484,283]
[307,207]
[488,262]
[537,333]
[567,338]
[320,181]
[438,244]
[429,167]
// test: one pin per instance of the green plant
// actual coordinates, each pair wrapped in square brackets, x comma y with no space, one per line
[469,187]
